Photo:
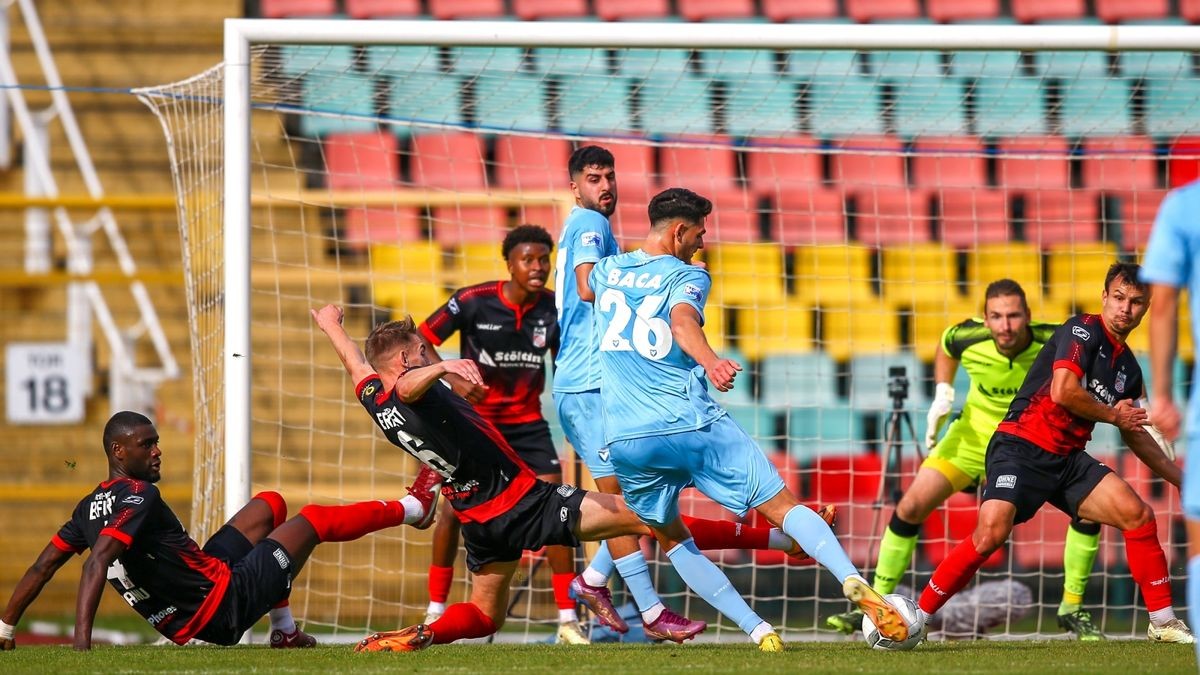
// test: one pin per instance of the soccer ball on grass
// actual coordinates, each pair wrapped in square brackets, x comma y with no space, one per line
[916,628]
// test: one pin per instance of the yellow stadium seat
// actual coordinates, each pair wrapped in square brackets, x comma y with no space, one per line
[748,275]
[715,326]
[476,262]
[931,318]
[832,275]
[917,273]
[787,329]
[869,327]
[1017,261]
[1075,272]
[394,266]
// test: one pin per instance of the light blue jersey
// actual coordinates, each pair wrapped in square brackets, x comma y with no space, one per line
[649,386]
[586,238]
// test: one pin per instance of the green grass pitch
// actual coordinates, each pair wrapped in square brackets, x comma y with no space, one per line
[1055,656]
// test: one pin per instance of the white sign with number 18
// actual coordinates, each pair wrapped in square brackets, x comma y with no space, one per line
[43,383]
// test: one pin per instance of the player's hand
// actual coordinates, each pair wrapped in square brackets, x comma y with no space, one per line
[1165,416]
[1129,418]
[473,393]
[327,317]
[722,373]
[8,644]
[943,402]
[466,369]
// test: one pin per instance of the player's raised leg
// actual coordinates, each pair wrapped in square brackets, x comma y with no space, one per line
[993,528]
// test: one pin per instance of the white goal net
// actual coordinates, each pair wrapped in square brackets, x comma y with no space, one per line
[868,182]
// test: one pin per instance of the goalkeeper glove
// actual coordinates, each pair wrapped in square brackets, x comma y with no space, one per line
[1168,447]
[943,401]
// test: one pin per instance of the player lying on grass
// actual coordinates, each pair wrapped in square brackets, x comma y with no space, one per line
[214,593]
[1083,375]
[503,507]
[666,433]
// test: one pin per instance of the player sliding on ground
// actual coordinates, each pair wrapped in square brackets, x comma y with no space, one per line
[1084,374]
[503,507]
[214,593]
[666,433]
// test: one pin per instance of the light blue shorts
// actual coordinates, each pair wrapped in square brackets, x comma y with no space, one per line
[1191,482]
[582,422]
[721,460]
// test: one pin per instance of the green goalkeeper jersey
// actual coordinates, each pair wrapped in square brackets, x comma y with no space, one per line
[995,378]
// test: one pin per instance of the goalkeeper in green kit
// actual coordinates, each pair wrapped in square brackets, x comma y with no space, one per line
[997,352]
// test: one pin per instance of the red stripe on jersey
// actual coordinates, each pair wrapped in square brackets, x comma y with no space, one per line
[502,502]
[118,535]
[64,546]
[429,334]
[218,573]
[1072,366]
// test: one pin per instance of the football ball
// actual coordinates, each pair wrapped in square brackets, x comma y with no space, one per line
[916,628]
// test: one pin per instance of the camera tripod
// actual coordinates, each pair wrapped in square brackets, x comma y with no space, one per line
[898,421]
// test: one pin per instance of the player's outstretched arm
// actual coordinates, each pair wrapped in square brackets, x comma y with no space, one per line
[413,384]
[329,320]
[474,393]
[686,330]
[944,367]
[91,585]
[1147,449]
[31,584]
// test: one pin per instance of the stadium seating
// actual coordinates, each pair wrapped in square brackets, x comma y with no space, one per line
[1156,65]
[833,275]
[807,217]
[568,62]
[799,10]
[594,106]
[1070,65]
[380,9]
[395,266]
[867,327]
[970,216]
[321,61]
[354,107]
[1117,11]
[363,226]
[705,164]
[809,65]
[775,329]
[1034,162]
[1138,210]
[890,216]
[715,10]
[1061,216]
[475,263]
[1075,272]
[1183,161]
[465,9]
[843,479]
[361,161]
[1030,11]
[917,273]
[530,163]
[985,64]
[429,98]
[949,11]
[949,525]
[778,165]
[760,106]
[814,432]
[843,106]
[458,224]
[1038,543]
[948,162]
[400,61]
[1171,107]
[675,108]
[618,10]
[1009,107]
[869,161]
[530,10]
[750,275]
[510,103]
[1119,163]
[1092,107]
[931,318]
[449,160]
[492,62]
[930,107]
[1020,262]
[865,11]
[869,375]
[792,380]
[278,9]
[905,66]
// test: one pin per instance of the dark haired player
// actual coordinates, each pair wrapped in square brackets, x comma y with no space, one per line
[1083,375]
[214,593]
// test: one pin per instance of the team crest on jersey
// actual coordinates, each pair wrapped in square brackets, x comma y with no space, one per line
[1081,333]
[369,389]
[589,239]
[1119,385]
[539,337]
[692,291]
[453,306]
[603,453]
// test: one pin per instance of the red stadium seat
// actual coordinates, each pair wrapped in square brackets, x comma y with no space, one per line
[711,167]
[1120,163]
[953,161]
[1138,211]
[549,216]
[1160,495]
[454,225]
[946,11]
[841,479]
[277,9]
[452,160]
[1190,10]
[530,163]
[1116,11]
[735,217]
[1034,162]
[635,167]
[949,525]
[620,10]
[867,161]
[774,168]
[864,11]
[1038,543]
[1183,163]
[1028,11]
[1061,216]
[530,10]
[363,227]
[630,223]
[361,160]
[466,9]
[891,216]
[799,10]
[804,217]
[371,9]
[970,217]
[708,10]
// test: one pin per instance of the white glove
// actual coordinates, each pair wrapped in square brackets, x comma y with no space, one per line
[943,401]
[1168,447]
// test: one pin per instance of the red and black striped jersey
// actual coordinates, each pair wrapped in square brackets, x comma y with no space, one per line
[485,477]
[1107,371]
[509,343]
[163,574]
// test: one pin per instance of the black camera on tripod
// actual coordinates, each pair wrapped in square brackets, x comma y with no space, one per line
[897,386]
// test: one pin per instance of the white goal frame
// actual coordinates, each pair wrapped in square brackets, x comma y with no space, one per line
[240,34]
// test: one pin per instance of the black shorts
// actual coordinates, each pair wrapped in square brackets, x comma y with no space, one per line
[1027,476]
[533,443]
[547,515]
[260,577]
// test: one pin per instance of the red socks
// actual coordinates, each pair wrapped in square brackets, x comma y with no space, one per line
[349,522]
[278,506]
[951,576]
[562,591]
[712,535]
[1148,565]
[440,579]
[461,620]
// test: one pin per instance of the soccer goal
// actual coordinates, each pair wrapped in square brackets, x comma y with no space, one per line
[869,181]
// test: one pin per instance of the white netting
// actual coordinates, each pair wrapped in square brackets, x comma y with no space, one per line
[863,202]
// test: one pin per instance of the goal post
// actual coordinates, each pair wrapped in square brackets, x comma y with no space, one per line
[848,233]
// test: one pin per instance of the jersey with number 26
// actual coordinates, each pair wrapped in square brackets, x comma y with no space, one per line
[648,385]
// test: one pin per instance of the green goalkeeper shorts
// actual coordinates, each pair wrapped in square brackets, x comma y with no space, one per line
[959,456]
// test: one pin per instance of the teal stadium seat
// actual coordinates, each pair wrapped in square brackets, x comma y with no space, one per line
[824,431]
[1172,107]
[843,107]
[327,60]
[930,107]
[810,64]
[798,380]
[1010,107]
[344,104]
[472,61]
[904,65]
[675,107]
[430,98]
[569,63]
[594,106]
[985,64]
[1070,64]
[869,381]
[510,103]
[1095,107]
[1156,65]
[667,65]
[738,62]
[400,61]
[761,106]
